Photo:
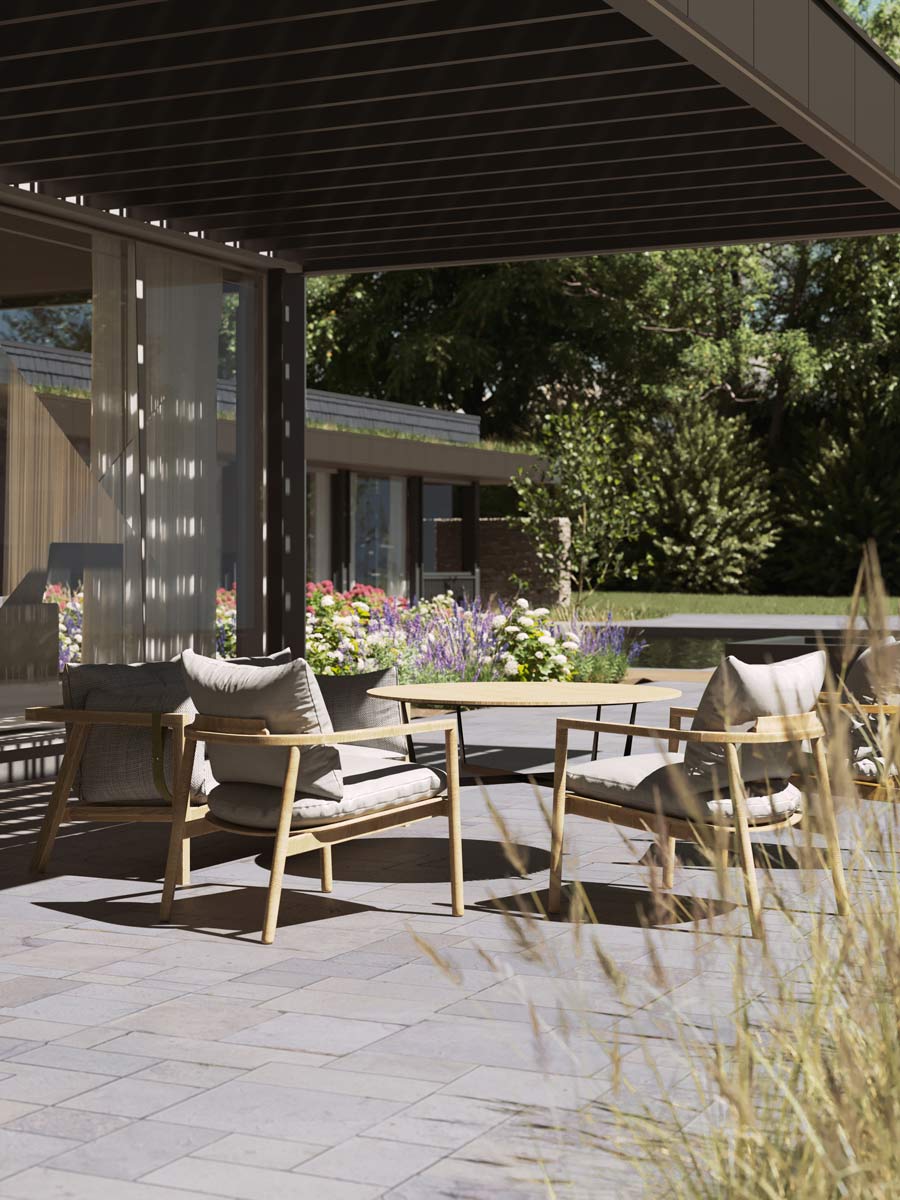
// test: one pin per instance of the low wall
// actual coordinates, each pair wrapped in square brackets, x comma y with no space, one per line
[504,551]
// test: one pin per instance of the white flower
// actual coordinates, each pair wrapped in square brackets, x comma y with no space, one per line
[540,654]
[541,612]
[547,639]
[499,622]
[522,602]
[521,637]
[526,622]
[361,606]
[327,601]
[570,645]
[487,659]
[511,667]
[560,660]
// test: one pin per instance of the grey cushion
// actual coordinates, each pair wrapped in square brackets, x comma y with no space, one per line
[658,780]
[737,695]
[117,764]
[287,698]
[351,707]
[263,660]
[372,781]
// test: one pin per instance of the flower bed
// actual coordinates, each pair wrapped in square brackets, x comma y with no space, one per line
[440,639]
[430,641]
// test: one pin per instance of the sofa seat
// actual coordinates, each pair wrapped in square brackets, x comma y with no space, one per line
[659,779]
[373,780]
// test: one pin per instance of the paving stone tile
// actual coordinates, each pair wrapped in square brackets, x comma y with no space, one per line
[192,1074]
[269,1110]
[443,1121]
[25,988]
[67,1123]
[277,1153]
[232,1181]
[406,1066]
[27,1029]
[202,1050]
[367,1008]
[348,1083]
[299,1031]
[43,1085]
[531,1089]
[69,1007]
[13,1110]
[135,1150]
[372,1160]
[130,1097]
[209,1019]
[66,956]
[19,1151]
[72,1058]
[47,1183]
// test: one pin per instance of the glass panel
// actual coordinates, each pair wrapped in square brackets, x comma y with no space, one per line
[442,510]
[378,533]
[318,525]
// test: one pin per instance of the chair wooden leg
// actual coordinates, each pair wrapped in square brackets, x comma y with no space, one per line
[326,869]
[558,820]
[457,900]
[279,850]
[744,845]
[828,824]
[178,861]
[59,798]
[668,859]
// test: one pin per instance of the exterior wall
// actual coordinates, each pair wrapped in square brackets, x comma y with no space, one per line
[504,551]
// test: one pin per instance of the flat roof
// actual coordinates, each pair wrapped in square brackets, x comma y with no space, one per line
[369,136]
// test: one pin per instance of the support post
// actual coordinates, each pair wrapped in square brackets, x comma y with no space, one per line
[286,462]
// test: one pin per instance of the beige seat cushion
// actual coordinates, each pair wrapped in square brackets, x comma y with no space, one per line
[737,695]
[373,780]
[645,781]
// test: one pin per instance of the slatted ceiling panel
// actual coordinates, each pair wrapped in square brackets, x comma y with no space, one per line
[408,132]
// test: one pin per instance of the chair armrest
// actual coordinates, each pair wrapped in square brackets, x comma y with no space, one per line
[775,730]
[199,732]
[833,700]
[676,714]
[92,716]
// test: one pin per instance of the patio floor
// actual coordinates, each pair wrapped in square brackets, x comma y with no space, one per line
[140,1062]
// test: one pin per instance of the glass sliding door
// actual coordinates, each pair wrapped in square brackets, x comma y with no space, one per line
[378,533]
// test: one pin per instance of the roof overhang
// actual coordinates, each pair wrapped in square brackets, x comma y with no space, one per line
[403,133]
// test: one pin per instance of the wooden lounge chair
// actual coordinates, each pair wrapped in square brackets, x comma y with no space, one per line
[665,795]
[303,790]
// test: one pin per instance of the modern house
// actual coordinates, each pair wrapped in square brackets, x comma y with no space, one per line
[384,480]
[177,169]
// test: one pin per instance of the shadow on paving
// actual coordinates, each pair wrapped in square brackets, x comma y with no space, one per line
[231,912]
[414,860]
[608,904]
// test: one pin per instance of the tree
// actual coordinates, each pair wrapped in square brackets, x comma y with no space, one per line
[712,524]
[591,472]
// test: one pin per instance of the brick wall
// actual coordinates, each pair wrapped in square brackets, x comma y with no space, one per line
[504,551]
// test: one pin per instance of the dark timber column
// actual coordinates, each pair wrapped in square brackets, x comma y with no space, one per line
[414,539]
[286,463]
[340,529]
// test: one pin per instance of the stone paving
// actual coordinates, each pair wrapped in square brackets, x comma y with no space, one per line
[149,1062]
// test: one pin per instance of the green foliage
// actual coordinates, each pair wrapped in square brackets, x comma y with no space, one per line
[712,524]
[65,326]
[594,475]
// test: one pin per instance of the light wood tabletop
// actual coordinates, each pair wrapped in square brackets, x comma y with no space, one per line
[502,694]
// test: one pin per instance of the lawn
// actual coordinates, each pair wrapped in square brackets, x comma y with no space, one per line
[644,606]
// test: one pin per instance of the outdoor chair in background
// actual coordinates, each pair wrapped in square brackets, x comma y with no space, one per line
[734,777]
[124,746]
[869,702]
[283,773]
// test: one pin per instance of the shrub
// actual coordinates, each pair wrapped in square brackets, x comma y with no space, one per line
[712,523]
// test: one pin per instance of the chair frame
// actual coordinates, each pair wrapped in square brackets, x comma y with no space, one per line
[718,836]
[323,837]
[63,808]
[881,789]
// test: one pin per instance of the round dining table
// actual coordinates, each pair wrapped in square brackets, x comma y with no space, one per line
[518,694]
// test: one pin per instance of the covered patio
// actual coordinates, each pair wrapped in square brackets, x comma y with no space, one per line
[381,1047]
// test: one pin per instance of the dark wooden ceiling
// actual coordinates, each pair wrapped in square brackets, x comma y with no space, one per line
[403,132]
